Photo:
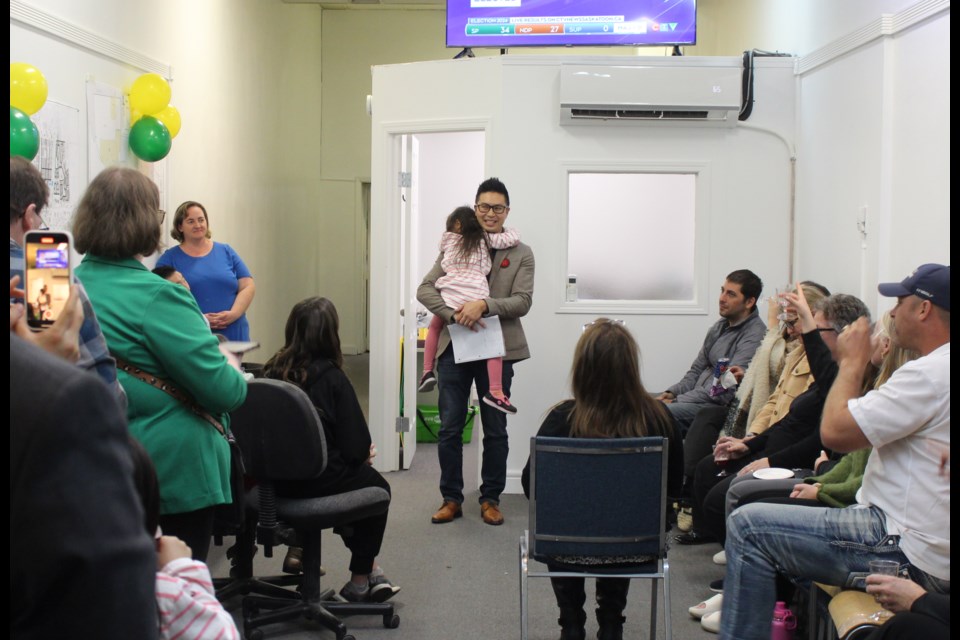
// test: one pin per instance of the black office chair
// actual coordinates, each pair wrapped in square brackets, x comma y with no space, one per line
[617,487]
[282,439]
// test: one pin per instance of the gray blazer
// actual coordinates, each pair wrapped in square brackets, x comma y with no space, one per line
[511,294]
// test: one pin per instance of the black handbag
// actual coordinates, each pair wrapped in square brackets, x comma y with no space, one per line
[231,514]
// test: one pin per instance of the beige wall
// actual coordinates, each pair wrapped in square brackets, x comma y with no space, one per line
[246,80]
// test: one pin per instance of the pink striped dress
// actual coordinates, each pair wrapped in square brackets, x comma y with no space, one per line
[188,606]
[466,280]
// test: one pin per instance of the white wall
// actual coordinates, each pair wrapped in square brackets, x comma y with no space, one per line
[748,174]
[874,136]
[451,167]
[871,132]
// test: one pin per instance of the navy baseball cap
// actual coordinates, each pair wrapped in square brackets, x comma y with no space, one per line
[929,281]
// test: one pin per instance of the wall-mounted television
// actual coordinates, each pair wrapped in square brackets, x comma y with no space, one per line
[559,23]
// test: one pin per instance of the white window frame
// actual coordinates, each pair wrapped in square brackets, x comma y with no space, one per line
[698,305]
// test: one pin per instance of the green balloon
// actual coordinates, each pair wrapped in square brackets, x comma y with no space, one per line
[150,139]
[24,136]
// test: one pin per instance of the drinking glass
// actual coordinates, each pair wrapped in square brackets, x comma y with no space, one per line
[885,568]
[785,315]
[721,459]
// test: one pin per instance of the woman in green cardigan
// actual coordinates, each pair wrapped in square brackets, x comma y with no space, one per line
[156,326]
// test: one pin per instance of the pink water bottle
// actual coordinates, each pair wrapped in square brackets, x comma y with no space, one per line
[784,622]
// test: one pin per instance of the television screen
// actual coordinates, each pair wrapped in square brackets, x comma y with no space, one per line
[558,23]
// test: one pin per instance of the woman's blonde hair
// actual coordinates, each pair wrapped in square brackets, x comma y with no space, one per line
[609,398]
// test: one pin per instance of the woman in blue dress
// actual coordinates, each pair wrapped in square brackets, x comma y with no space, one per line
[219,279]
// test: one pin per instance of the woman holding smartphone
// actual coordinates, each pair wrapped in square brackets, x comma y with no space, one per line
[219,279]
[155,325]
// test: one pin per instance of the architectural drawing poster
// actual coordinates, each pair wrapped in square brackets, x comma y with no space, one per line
[59,161]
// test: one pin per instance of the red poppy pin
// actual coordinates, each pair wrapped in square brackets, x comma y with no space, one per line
[505,263]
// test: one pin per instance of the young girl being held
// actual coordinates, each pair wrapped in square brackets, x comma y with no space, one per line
[466,263]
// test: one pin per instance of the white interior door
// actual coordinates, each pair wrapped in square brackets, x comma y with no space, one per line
[409,280]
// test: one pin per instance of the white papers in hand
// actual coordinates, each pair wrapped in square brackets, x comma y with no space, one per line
[482,344]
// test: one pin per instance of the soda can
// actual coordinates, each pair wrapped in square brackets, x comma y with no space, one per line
[721,367]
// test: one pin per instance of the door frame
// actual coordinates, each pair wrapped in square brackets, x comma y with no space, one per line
[388,246]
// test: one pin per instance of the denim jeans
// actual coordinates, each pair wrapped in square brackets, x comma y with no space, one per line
[832,546]
[454,381]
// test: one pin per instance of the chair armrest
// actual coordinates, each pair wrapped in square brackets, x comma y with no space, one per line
[851,609]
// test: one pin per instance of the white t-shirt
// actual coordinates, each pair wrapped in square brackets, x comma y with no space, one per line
[907,421]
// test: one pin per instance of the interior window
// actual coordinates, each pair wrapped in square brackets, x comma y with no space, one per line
[631,236]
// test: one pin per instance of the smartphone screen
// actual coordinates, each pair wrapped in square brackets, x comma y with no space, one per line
[47,275]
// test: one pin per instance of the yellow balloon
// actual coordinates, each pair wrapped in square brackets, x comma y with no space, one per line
[134,116]
[28,88]
[149,94]
[170,117]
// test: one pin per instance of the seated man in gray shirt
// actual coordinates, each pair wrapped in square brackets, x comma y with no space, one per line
[735,336]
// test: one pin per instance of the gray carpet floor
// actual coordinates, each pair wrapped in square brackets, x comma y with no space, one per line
[461,580]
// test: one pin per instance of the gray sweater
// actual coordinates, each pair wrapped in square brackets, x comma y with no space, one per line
[737,342]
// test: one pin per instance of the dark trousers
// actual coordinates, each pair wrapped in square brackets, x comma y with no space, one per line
[908,626]
[710,493]
[193,527]
[454,382]
[611,598]
[362,537]
[703,433]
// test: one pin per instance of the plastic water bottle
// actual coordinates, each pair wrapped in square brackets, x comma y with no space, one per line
[784,622]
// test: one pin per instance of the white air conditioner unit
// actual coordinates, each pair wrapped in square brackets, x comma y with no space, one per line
[598,94]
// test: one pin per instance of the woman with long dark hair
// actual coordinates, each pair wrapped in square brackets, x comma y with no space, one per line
[312,360]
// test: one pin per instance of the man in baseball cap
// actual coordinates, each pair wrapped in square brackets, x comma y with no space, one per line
[929,282]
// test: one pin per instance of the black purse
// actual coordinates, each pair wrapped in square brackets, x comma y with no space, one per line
[230,515]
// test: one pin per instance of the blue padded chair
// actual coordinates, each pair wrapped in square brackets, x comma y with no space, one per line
[282,439]
[617,489]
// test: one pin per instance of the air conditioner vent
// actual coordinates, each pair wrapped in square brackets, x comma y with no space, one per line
[638,114]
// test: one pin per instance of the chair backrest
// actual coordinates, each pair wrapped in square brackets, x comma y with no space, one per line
[279,432]
[600,497]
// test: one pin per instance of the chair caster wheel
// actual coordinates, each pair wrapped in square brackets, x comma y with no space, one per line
[254,634]
[348,637]
[391,621]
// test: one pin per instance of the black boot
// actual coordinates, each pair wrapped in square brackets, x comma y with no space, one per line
[572,624]
[611,601]
[570,598]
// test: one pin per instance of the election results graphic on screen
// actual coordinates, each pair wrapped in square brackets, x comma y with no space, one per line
[557,23]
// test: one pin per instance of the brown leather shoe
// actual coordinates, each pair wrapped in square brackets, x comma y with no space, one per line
[490,512]
[448,511]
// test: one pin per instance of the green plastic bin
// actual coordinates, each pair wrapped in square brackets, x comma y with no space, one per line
[428,423]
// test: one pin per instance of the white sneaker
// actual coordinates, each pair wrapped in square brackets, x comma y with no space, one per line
[708,606]
[711,622]
[720,557]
